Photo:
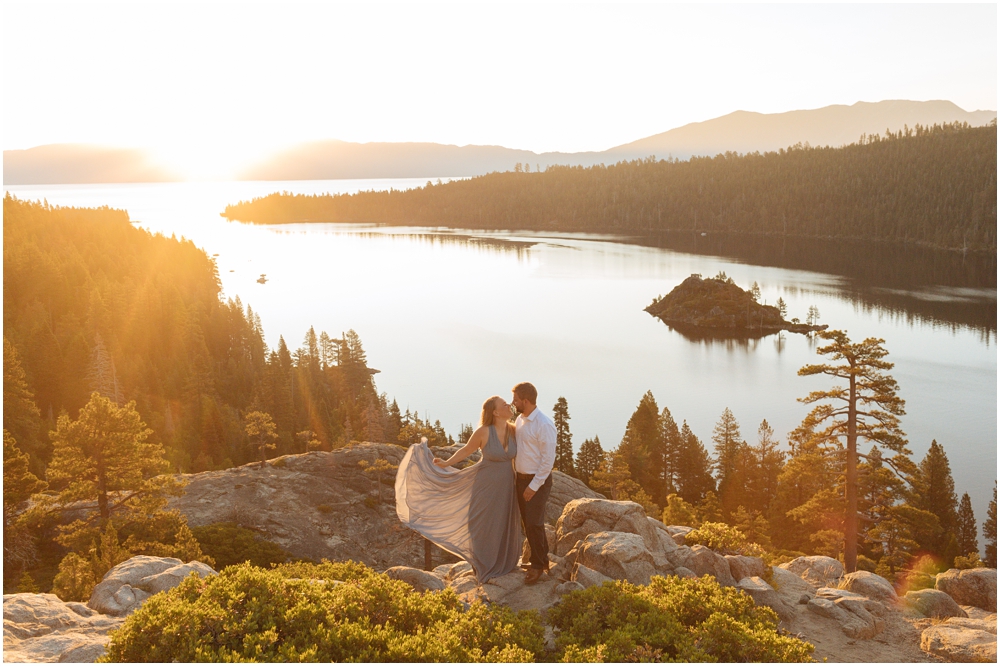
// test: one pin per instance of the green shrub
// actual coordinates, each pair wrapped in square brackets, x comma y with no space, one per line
[671,619]
[228,543]
[250,614]
[723,538]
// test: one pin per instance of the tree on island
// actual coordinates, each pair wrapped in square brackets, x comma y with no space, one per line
[564,438]
[867,408]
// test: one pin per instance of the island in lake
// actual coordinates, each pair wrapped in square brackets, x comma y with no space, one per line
[718,304]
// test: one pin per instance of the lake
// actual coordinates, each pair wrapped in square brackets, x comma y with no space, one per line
[451,317]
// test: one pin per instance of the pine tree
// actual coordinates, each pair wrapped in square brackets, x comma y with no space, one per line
[767,464]
[260,427]
[753,525]
[670,436]
[726,437]
[695,469]
[642,446]
[104,460]
[934,491]
[966,529]
[613,478]
[782,307]
[990,530]
[20,414]
[19,484]
[588,459]
[866,408]
[710,510]
[564,438]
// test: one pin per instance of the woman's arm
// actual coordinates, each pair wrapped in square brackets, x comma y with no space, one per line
[475,442]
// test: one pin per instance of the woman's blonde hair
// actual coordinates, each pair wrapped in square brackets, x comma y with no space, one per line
[486,418]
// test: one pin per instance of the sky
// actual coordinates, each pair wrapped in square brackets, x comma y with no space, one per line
[210,85]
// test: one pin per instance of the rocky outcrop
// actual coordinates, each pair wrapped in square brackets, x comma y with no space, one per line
[582,517]
[818,570]
[932,603]
[719,304]
[869,585]
[127,585]
[320,505]
[619,555]
[970,587]
[745,566]
[961,640]
[703,561]
[765,595]
[421,581]
[858,616]
[43,628]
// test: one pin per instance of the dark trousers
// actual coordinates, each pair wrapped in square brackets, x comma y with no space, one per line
[533,519]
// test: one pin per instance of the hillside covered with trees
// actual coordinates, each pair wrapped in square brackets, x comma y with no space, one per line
[122,362]
[932,187]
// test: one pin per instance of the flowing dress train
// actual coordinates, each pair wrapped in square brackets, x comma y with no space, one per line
[470,512]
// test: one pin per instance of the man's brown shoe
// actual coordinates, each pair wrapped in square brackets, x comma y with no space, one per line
[532,576]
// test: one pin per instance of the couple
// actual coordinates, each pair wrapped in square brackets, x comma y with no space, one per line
[474,512]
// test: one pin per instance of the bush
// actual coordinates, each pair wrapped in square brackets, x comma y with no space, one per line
[723,538]
[228,543]
[299,612]
[671,619]
[970,561]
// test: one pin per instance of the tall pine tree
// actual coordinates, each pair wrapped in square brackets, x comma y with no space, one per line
[990,530]
[642,444]
[589,459]
[966,529]
[934,490]
[694,479]
[564,438]
[727,439]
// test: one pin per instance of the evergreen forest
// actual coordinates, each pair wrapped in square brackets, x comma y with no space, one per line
[933,187]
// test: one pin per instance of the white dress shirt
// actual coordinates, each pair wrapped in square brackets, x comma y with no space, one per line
[536,446]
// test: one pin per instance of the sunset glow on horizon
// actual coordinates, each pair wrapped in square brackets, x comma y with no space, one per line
[210,88]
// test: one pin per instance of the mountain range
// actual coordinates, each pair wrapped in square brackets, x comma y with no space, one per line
[740,131]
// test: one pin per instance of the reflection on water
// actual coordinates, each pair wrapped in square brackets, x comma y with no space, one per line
[915,284]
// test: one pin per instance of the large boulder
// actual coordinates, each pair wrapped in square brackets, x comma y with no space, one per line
[869,585]
[421,581]
[970,587]
[790,586]
[565,489]
[933,603]
[586,516]
[765,595]
[817,570]
[41,627]
[587,577]
[703,561]
[619,555]
[959,643]
[858,616]
[128,584]
[745,566]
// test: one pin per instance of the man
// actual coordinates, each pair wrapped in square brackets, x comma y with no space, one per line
[536,453]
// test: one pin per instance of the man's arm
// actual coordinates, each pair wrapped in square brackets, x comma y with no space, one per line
[547,437]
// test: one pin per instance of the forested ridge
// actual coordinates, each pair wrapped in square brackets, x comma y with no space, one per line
[122,362]
[933,187]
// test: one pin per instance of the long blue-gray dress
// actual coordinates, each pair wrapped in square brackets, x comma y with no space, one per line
[470,512]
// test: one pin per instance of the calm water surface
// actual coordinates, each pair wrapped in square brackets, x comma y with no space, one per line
[451,317]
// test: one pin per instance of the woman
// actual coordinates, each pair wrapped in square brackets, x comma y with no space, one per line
[470,512]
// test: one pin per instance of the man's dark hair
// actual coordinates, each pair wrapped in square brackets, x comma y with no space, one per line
[526,391]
